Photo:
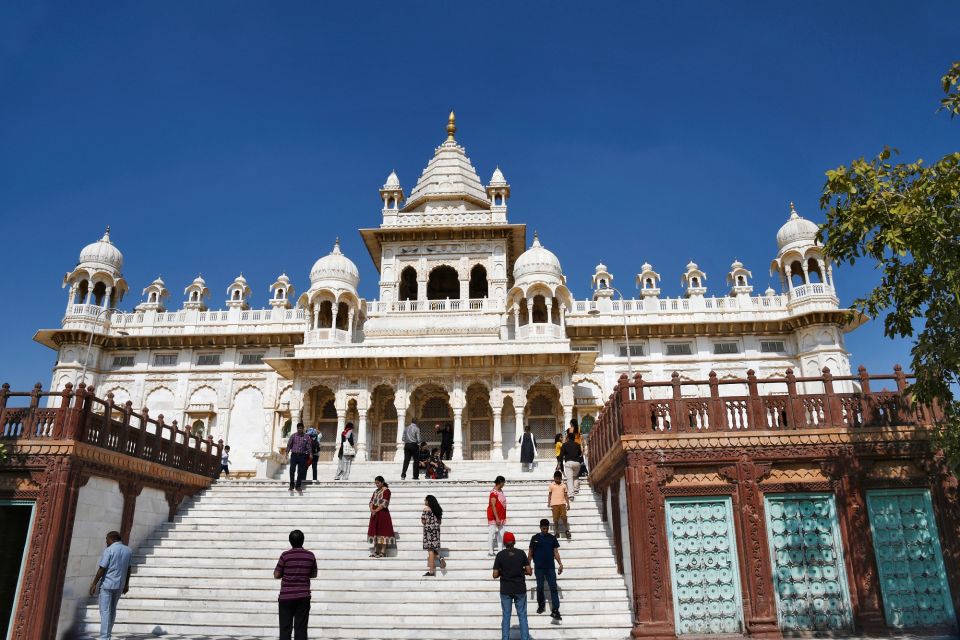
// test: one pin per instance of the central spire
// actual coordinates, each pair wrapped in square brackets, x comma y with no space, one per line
[451,127]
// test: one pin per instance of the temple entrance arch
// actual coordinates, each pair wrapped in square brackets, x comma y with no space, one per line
[544,415]
[477,423]
[382,418]
[320,413]
[429,405]
[444,282]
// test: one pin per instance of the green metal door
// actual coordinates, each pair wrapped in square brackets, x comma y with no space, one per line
[703,566]
[913,580]
[808,572]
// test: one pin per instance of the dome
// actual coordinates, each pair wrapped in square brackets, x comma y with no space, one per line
[393,182]
[198,282]
[102,253]
[335,267]
[538,261]
[736,264]
[796,229]
[497,179]
[601,268]
[692,266]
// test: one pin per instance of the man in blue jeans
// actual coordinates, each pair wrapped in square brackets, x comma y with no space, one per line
[298,448]
[510,566]
[544,550]
[113,578]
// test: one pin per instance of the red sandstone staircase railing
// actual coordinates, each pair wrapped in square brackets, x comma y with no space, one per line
[751,404]
[78,415]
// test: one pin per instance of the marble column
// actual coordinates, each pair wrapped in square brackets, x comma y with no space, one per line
[496,447]
[401,423]
[361,435]
[457,433]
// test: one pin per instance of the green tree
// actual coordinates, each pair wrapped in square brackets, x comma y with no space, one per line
[905,217]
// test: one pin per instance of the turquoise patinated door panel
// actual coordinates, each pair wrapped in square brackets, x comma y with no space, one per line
[913,580]
[703,566]
[808,572]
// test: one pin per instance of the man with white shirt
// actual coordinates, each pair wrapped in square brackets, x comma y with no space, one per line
[113,577]
[411,450]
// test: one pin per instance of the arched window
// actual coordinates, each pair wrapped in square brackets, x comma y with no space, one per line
[82,292]
[813,270]
[194,296]
[796,274]
[603,283]
[443,283]
[408,284]
[694,283]
[649,283]
[498,200]
[741,281]
[153,296]
[197,428]
[539,309]
[326,313]
[343,312]
[281,294]
[478,282]
[99,294]
[236,294]
[390,203]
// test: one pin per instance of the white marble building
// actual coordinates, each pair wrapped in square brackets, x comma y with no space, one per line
[472,326]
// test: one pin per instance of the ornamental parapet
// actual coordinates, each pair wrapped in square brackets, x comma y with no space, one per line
[677,408]
[80,418]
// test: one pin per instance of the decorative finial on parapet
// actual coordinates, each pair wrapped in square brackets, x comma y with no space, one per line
[451,126]
[793,211]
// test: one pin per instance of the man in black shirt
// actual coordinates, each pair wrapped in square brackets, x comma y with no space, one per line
[510,566]
[544,551]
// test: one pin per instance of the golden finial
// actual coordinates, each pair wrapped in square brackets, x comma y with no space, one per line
[793,209]
[451,126]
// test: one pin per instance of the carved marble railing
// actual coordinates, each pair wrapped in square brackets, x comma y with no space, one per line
[676,407]
[80,416]
[473,305]
[682,305]
[184,321]
[540,331]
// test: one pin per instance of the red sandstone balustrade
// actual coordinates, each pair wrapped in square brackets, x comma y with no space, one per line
[715,405]
[81,416]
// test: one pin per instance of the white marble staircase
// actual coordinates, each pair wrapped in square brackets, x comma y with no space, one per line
[209,574]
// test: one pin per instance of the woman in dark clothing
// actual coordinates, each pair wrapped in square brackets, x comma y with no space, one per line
[431,518]
[528,449]
[571,454]
[446,441]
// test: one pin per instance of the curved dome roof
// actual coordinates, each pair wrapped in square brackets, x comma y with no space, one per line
[335,269]
[102,253]
[538,264]
[796,229]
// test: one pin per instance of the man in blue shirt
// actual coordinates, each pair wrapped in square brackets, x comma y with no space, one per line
[113,577]
[544,549]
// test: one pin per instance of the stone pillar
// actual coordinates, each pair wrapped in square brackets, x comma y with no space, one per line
[106,297]
[806,272]
[496,447]
[519,405]
[549,303]
[130,490]
[464,289]
[758,597]
[400,401]
[563,320]
[361,435]
[350,323]
[567,417]
[516,321]
[71,294]
[457,433]
[89,292]
[316,316]
[846,475]
[649,558]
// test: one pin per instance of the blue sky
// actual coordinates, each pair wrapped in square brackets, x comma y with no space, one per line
[221,137]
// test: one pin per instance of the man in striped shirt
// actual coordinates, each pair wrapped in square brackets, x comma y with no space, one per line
[294,570]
